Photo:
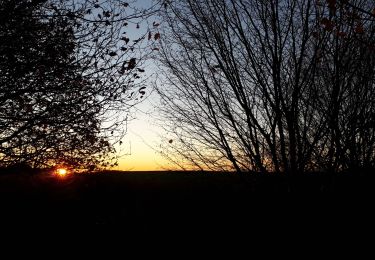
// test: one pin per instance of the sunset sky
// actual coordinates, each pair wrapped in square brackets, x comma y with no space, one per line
[141,143]
[140,150]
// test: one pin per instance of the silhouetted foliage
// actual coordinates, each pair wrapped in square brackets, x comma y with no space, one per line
[66,80]
[269,86]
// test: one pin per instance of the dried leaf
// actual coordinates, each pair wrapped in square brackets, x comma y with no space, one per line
[125,39]
[106,13]
[331,4]
[341,34]
[131,64]
[359,29]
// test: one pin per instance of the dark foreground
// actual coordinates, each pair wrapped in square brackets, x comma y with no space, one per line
[181,202]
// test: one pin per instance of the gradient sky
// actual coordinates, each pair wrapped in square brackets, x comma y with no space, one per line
[141,143]
[139,151]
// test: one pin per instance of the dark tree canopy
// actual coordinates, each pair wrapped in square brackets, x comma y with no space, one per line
[269,86]
[66,67]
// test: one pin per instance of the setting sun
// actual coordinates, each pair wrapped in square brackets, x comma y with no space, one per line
[62,171]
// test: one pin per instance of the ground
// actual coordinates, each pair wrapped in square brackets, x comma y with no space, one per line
[178,201]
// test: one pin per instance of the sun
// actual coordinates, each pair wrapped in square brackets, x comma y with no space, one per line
[62,171]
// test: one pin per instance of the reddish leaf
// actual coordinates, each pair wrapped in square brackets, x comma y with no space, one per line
[328,24]
[359,29]
[341,34]
[157,36]
[331,4]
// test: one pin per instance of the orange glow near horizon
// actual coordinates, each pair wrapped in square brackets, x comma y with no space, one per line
[61,172]
[140,148]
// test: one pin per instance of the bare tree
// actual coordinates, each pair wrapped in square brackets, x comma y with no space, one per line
[346,75]
[247,85]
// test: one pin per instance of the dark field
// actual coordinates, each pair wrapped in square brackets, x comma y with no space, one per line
[180,201]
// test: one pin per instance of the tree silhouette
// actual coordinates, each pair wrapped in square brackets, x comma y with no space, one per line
[65,69]
[269,86]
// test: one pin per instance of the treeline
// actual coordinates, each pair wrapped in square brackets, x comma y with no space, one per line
[68,78]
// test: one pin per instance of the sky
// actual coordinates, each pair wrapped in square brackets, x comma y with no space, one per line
[141,143]
[140,149]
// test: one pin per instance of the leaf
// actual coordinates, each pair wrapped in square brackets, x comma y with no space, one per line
[170,141]
[315,35]
[96,6]
[107,13]
[155,49]
[125,39]
[112,53]
[328,24]
[149,36]
[341,34]
[331,4]
[137,26]
[141,70]
[157,36]
[359,29]
[125,4]
[155,24]
[131,64]
[142,91]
